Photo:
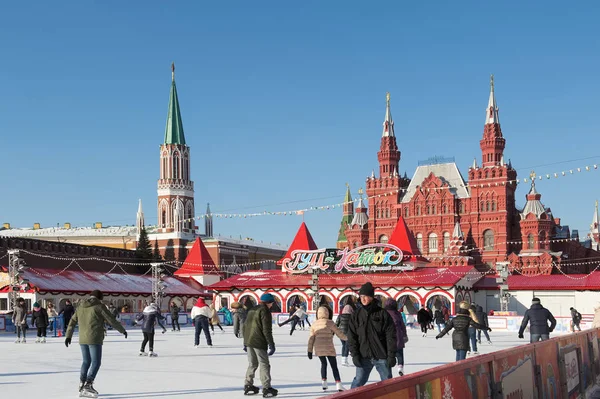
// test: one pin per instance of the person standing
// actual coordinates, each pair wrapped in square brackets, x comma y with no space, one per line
[320,342]
[473,331]
[239,317]
[372,338]
[461,324]
[401,337]
[423,318]
[258,342]
[483,320]
[439,319]
[342,323]
[576,316]
[200,316]
[91,315]
[214,319]
[52,315]
[539,317]
[67,312]
[149,318]
[39,319]
[175,316]
[19,319]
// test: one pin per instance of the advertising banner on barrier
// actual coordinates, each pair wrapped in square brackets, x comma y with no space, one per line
[547,360]
[2,323]
[518,381]
[570,372]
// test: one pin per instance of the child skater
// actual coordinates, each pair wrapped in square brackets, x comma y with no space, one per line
[148,319]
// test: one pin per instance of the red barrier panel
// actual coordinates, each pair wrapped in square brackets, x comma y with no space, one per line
[561,368]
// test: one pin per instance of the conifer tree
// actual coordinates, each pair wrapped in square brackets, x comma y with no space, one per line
[169,251]
[156,254]
[144,248]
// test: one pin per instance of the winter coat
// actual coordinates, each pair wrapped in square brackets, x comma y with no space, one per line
[113,311]
[596,320]
[576,316]
[91,315]
[68,312]
[39,318]
[343,320]
[320,341]
[438,316]
[391,308]
[239,317]
[446,313]
[149,318]
[538,316]
[19,316]
[214,316]
[258,328]
[482,317]
[423,316]
[201,311]
[175,312]
[460,335]
[300,313]
[52,312]
[371,333]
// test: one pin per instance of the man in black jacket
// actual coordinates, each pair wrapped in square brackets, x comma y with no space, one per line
[175,316]
[483,320]
[576,316]
[68,311]
[538,316]
[371,338]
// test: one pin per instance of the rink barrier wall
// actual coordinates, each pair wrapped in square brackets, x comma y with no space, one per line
[565,367]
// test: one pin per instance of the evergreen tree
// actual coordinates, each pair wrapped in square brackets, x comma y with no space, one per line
[156,253]
[182,254]
[169,251]
[144,248]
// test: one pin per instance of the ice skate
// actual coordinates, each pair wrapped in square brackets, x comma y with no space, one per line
[479,341]
[250,390]
[345,362]
[339,386]
[18,341]
[152,354]
[324,385]
[142,353]
[23,341]
[196,346]
[269,392]
[475,353]
[81,384]
[400,371]
[38,340]
[88,391]
[43,341]
[489,342]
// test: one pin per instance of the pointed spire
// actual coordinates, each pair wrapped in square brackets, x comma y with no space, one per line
[474,166]
[174,130]
[388,123]
[139,220]
[509,163]
[348,197]
[395,173]
[360,217]
[491,115]
[405,175]
[458,234]
[502,160]
[596,220]
[208,222]
[373,174]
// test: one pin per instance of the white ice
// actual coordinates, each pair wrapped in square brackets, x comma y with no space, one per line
[52,371]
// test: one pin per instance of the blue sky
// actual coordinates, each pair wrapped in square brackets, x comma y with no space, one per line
[284,102]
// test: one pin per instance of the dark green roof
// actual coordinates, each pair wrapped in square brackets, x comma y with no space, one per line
[174,130]
[346,220]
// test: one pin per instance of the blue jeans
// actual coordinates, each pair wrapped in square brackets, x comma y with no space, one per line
[441,326]
[461,354]
[345,349]
[92,358]
[473,337]
[363,372]
[538,337]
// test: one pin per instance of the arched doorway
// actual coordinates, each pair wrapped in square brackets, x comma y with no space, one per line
[344,300]
[408,304]
[296,299]
[327,300]
[248,297]
[381,298]
[438,302]
[276,308]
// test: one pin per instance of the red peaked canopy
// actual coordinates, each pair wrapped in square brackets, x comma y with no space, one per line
[404,239]
[302,241]
[198,262]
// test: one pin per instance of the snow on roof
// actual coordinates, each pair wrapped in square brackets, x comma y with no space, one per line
[116,231]
[447,172]
[545,282]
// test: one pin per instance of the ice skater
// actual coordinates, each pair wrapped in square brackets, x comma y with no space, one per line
[439,319]
[483,320]
[239,317]
[342,322]
[258,342]
[320,342]
[91,315]
[214,319]
[52,315]
[67,312]
[19,319]
[576,316]
[423,318]
[539,317]
[401,338]
[175,316]
[460,335]
[148,319]
[39,319]
[200,316]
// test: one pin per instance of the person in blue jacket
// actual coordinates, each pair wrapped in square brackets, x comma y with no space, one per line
[148,319]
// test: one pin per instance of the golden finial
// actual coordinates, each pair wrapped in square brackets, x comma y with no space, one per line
[387,98]
[360,192]
[173,71]
[532,175]
[347,185]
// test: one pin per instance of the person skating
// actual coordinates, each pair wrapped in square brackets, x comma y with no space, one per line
[473,331]
[440,320]
[292,318]
[67,312]
[52,315]
[320,343]
[91,315]
[423,318]
[342,322]
[239,317]
[258,342]
[483,320]
[576,316]
[19,319]
[460,335]
[175,316]
[372,338]
[401,337]
[200,316]
[539,317]
[39,319]
[214,319]
[148,319]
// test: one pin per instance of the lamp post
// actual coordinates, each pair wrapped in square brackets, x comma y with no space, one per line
[315,286]
[16,266]
[503,273]
[158,285]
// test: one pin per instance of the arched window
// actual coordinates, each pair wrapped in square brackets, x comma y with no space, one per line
[176,166]
[418,211]
[488,240]
[481,206]
[493,206]
[406,212]
[487,174]
[383,239]
[433,243]
[378,213]
[420,242]
[444,209]
[542,242]
[446,241]
[487,206]
[387,213]
[462,208]
[530,241]
[433,209]
[427,210]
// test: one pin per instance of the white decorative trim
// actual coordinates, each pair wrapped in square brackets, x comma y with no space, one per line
[175,192]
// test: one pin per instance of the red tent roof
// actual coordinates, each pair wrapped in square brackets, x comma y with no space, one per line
[198,262]
[580,282]
[404,239]
[302,241]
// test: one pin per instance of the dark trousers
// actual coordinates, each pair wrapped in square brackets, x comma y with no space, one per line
[345,349]
[212,328]
[473,338]
[423,327]
[334,367]
[302,322]
[66,325]
[92,358]
[175,322]
[148,339]
[201,324]
[41,331]
[576,325]
[289,320]
[487,336]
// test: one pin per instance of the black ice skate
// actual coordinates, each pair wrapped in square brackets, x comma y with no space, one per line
[269,392]
[88,391]
[250,390]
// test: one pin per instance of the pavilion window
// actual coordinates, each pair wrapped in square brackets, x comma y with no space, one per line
[446,241]
[488,240]
[433,243]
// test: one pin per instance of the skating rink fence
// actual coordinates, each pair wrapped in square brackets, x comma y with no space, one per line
[565,367]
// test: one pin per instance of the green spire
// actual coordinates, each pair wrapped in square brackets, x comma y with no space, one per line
[347,215]
[174,130]
[348,197]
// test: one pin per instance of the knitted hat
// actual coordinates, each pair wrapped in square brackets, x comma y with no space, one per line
[36,305]
[536,301]
[367,289]
[97,294]
[464,305]
[267,298]
[236,305]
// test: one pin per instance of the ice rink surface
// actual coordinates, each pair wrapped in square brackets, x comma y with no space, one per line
[52,371]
